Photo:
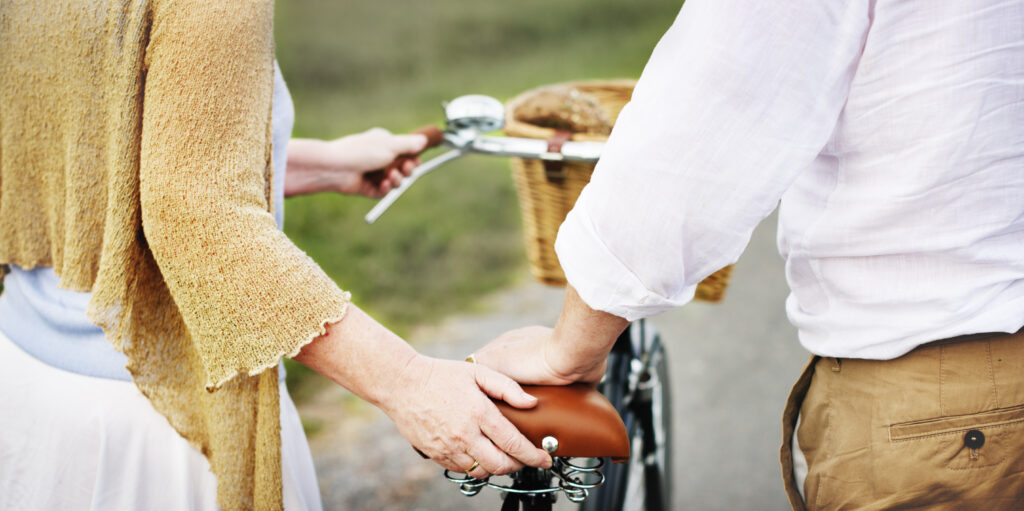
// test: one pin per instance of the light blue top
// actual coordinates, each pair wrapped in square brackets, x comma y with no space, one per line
[50,323]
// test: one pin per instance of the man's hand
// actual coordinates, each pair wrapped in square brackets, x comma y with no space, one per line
[529,355]
[575,350]
[342,165]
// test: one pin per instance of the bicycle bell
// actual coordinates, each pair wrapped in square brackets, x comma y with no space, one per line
[474,112]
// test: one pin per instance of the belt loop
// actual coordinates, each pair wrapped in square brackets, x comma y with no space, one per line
[837,365]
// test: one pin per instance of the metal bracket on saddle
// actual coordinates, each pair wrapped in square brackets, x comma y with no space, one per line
[575,480]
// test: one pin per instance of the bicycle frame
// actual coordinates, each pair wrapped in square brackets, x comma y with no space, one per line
[636,382]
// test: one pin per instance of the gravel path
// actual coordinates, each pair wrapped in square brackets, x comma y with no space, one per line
[731,366]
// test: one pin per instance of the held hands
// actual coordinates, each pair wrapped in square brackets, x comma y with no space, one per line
[344,165]
[442,407]
[444,411]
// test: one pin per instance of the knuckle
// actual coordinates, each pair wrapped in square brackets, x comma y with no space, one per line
[512,445]
[483,415]
[506,467]
[456,439]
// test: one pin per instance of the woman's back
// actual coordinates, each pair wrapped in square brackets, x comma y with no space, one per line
[135,160]
[71,82]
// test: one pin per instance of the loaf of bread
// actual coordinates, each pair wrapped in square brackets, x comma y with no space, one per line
[564,108]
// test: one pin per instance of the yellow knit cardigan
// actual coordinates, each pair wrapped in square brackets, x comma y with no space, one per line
[135,160]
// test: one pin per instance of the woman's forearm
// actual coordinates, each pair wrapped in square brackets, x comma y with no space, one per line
[312,167]
[342,165]
[359,354]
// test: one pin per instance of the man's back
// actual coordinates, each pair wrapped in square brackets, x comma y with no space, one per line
[909,226]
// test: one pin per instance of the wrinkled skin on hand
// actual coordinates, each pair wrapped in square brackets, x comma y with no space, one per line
[529,355]
[575,350]
[442,407]
[445,412]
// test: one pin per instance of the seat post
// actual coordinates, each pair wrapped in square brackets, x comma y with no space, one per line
[529,479]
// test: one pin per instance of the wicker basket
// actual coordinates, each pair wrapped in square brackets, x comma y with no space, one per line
[545,203]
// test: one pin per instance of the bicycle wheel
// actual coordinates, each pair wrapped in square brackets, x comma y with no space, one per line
[636,383]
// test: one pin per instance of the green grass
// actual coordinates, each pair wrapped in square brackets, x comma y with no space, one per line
[354,64]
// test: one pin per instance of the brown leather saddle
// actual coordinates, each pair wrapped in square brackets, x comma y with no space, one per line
[579,419]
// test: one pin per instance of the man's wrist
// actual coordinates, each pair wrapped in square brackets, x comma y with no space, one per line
[564,361]
[582,338]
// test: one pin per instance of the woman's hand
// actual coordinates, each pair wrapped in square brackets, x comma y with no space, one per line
[342,165]
[442,408]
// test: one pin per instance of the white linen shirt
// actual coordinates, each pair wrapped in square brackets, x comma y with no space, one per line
[891,130]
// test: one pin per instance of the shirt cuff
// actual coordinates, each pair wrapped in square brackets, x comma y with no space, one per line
[603,281]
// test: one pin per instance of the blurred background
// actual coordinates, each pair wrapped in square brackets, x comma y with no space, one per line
[446,268]
[354,64]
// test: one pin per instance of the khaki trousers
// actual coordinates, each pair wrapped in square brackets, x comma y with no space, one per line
[941,427]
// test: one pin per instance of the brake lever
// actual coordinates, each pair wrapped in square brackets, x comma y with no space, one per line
[417,173]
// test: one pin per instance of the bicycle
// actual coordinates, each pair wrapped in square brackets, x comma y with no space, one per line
[635,384]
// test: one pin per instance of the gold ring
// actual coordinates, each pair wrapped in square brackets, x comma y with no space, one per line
[473,466]
[471,358]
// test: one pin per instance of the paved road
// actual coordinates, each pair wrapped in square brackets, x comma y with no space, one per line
[731,363]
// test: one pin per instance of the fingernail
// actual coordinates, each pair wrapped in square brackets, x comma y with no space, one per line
[529,397]
[548,463]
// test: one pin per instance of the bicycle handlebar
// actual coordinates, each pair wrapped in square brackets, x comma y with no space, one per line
[536,149]
[467,118]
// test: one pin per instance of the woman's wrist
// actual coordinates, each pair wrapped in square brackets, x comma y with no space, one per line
[342,165]
[361,355]
[313,167]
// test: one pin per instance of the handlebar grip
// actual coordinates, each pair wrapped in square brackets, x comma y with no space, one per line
[435,137]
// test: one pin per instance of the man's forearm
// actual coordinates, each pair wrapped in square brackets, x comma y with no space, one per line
[582,337]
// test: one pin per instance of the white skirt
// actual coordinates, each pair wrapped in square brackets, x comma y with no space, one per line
[71,442]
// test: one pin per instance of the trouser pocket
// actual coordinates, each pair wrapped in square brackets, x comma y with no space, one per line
[964,442]
[941,428]
[954,460]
